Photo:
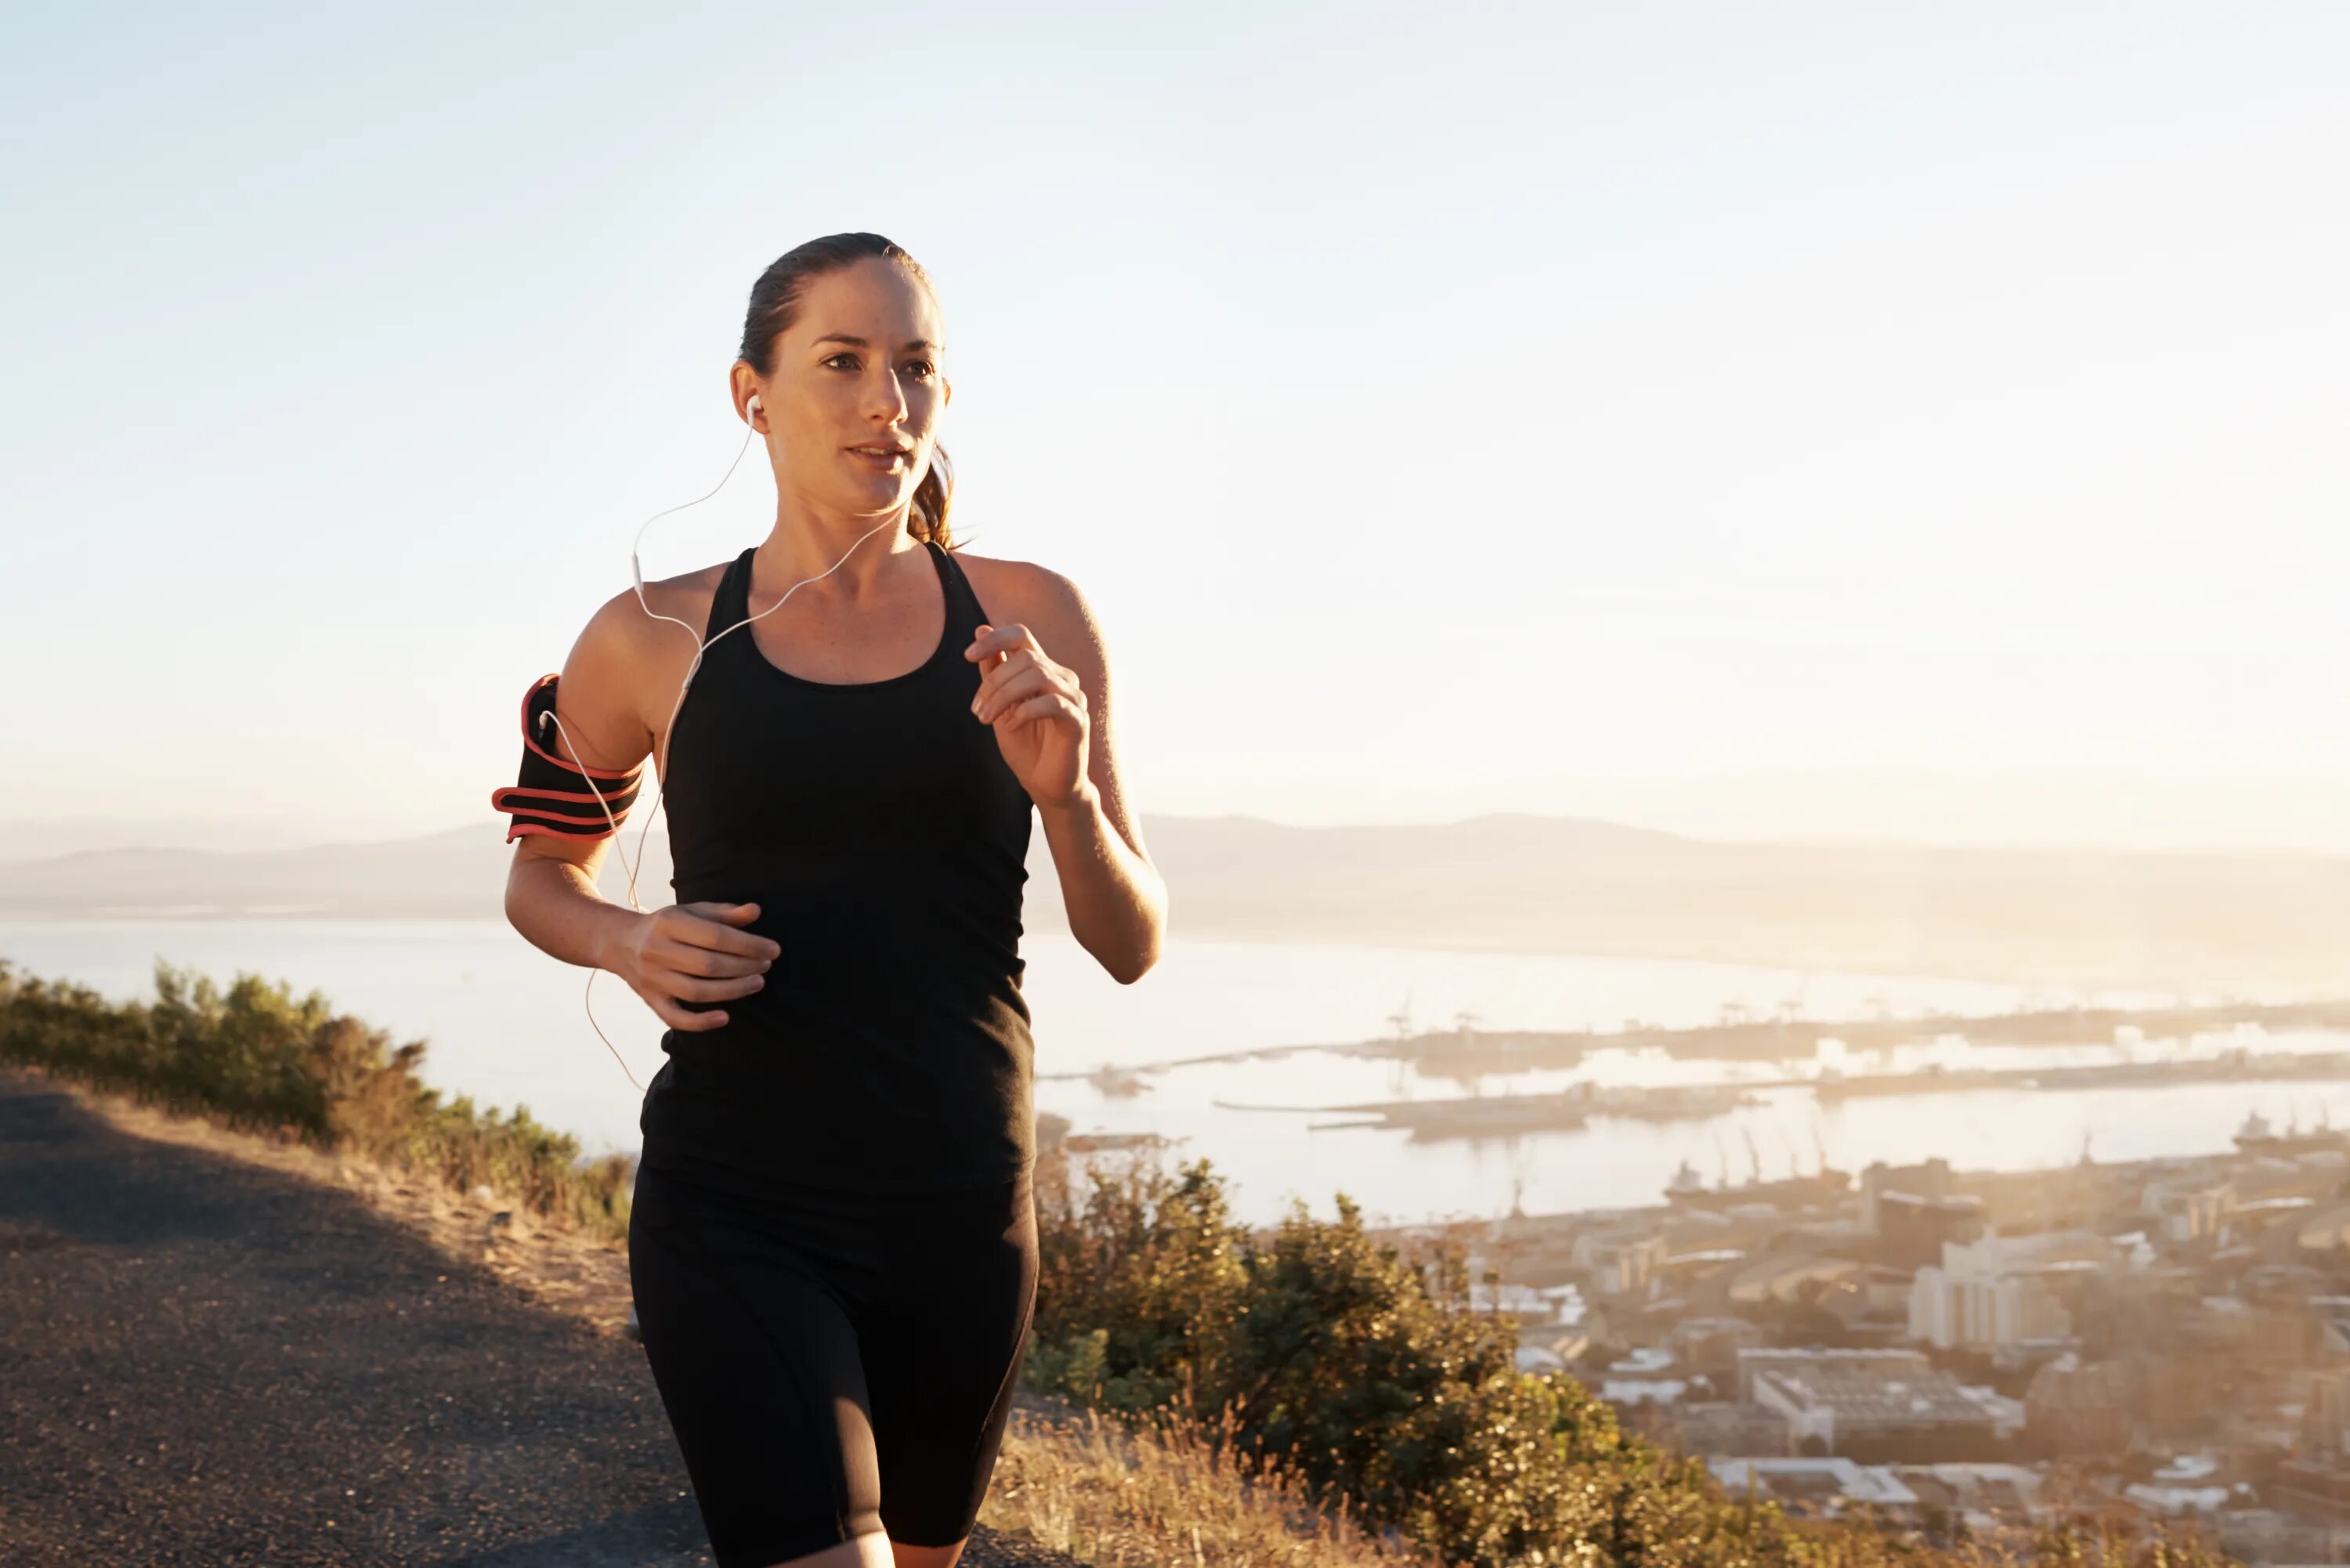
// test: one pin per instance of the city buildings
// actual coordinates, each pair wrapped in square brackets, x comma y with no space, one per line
[2162,1343]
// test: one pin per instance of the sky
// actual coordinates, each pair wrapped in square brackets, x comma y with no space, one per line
[1848,423]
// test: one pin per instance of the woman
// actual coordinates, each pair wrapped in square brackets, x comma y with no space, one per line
[833,1243]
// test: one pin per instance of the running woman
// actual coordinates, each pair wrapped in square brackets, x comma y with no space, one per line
[833,1245]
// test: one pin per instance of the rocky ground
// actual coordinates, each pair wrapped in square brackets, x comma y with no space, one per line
[214,1351]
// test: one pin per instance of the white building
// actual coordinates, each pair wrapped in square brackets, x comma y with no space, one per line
[2000,1290]
[1837,1397]
[1824,1485]
[1621,1262]
[2191,1208]
[1529,1305]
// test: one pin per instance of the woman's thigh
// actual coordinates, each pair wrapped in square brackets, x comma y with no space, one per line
[942,1357]
[760,1370]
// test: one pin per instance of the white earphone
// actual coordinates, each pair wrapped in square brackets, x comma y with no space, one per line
[661,762]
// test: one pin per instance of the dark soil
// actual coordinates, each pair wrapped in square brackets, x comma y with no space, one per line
[205,1362]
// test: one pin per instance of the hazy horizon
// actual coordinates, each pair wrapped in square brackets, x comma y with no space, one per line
[1825,425]
[33,838]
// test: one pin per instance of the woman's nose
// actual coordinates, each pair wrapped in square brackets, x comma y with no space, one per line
[888,396]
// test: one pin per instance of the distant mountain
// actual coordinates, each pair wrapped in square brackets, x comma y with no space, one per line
[23,838]
[1503,883]
[441,874]
[1531,884]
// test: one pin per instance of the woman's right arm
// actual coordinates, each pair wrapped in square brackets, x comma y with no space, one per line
[683,952]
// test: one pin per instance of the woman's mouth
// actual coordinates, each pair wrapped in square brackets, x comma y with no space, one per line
[887,459]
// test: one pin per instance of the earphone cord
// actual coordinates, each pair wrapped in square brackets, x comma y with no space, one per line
[661,764]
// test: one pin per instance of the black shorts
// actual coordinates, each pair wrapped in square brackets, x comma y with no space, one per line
[833,1365]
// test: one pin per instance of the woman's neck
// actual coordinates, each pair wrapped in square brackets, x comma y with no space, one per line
[841,558]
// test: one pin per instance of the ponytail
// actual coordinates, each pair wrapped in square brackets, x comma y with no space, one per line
[928,520]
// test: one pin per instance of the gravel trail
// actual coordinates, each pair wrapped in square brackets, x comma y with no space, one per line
[207,1362]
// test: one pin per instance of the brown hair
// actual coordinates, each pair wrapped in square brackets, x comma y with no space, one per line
[775,304]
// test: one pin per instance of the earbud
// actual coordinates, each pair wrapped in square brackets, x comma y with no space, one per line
[754,407]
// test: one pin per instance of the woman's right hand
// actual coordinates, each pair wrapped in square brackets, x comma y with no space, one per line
[692,952]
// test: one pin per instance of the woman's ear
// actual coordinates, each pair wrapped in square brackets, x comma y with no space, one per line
[743,386]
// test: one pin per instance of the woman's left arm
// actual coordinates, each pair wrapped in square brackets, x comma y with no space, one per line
[1044,687]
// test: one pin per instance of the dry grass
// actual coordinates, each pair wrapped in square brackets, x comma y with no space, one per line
[1166,1495]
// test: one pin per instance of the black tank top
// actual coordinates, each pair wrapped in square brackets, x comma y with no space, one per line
[885,840]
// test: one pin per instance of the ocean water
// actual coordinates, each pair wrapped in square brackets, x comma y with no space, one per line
[504,1024]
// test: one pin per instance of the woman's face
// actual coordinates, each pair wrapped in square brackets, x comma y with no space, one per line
[852,408]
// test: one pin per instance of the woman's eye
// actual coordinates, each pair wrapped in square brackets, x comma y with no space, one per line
[922,368]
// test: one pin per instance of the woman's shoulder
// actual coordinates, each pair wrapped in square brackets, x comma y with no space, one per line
[626,631]
[686,596]
[1019,590]
[1022,592]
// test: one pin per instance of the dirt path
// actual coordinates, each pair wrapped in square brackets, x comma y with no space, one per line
[208,1360]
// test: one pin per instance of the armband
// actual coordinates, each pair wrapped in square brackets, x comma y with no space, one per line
[553,795]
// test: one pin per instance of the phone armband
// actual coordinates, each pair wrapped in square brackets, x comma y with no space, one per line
[555,797]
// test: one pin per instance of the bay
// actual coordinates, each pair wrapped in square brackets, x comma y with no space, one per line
[504,1024]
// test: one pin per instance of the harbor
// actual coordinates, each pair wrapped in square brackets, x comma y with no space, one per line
[2138,1061]
[1467,1052]
[1570,1109]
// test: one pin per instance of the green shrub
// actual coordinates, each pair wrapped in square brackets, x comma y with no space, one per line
[255,1058]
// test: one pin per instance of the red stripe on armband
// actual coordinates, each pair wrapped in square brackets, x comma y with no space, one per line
[553,795]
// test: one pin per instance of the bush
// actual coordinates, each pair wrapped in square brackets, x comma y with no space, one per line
[1318,1348]
[257,1059]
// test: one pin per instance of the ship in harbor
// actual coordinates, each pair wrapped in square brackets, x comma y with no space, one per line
[1825,1184]
[2259,1136]
[1813,1190]
[1822,1187]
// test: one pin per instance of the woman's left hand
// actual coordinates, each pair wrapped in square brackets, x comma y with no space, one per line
[1038,710]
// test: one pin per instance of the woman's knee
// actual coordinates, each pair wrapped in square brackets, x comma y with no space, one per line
[904,1556]
[871,1549]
